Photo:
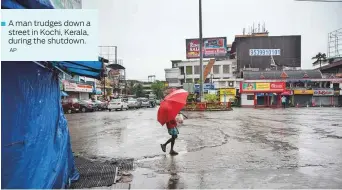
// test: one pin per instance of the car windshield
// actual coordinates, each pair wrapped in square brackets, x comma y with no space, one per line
[116,100]
[132,100]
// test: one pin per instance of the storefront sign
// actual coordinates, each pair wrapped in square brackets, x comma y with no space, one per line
[250,86]
[77,87]
[262,86]
[303,92]
[323,92]
[228,91]
[277,85]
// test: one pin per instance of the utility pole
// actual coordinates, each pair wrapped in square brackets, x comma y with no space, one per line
[201,49]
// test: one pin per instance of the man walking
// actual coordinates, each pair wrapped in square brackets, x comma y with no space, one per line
[283,101]
[173,131]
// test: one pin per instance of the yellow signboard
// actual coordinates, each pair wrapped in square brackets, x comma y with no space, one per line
[262,86]
[303,92]
[228,91]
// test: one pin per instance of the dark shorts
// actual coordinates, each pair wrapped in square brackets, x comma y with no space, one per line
[173,132]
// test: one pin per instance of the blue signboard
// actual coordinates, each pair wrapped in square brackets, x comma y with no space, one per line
[206,87]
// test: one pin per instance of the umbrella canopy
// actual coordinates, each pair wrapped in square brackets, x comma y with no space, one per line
[171,106]
[285,94]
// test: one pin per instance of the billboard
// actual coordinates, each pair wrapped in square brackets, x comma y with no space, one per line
[212,48]
[262,87]
[258,51]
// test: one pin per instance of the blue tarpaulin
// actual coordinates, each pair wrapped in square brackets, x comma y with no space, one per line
[91,69]
[64,93]
[36,149]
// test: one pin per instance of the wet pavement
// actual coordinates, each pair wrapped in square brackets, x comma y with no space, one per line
[244,148]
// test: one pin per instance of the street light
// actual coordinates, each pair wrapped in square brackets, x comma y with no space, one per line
[201,50]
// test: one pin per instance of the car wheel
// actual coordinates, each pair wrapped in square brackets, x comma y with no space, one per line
[69,111]
[109,110]
[83,110]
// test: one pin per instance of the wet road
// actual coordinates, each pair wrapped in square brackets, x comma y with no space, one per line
[244,148]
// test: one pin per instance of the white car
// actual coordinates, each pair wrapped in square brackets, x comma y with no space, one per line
[117,104]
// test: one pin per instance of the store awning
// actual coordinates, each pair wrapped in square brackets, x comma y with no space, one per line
[64,93]
[92,69]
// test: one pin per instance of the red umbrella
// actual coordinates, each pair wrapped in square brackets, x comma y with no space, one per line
[171,106]
[286,93]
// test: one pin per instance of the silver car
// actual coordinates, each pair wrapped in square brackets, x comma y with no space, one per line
[133,103]
[144,102]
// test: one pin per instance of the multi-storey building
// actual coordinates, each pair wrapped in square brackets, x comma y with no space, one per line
[189,71]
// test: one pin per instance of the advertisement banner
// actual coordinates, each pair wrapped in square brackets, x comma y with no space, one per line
[250,86]
[303,92]
[212,48]
[262,86]
[73,87]
[228,91]
[277,85]
[323,92]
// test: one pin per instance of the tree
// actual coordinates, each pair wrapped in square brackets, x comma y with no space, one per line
[320,57]
[138,90]
[158,88]
[130,87]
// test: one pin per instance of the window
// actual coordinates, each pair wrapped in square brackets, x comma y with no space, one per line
[216,69]
[182,70]
[226,69]
[196,70]
[196,80]
[250,97]
[189,70]
[188,80]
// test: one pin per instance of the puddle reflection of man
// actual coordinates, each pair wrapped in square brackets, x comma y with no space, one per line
[173,182]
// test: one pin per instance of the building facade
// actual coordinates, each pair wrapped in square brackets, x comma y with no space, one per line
[189,71]
[304,88]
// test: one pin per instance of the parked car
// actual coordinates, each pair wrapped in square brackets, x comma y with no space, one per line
[117,104]
[144,102]
[133,103]
[100,105]
[71,105]
[87,105]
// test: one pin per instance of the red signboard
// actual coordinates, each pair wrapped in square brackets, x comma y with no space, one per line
[277,86]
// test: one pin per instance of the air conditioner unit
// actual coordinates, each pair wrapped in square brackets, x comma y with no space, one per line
[231,84]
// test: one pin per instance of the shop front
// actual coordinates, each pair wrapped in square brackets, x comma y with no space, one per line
[80,91]
[323,98]
[302,97]
[265,94]
[227,94]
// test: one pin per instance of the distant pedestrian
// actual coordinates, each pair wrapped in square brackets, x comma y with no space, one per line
[173,131]
[283,101]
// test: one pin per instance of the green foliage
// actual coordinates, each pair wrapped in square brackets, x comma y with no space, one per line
[158,88]
[211,98]
[138,90]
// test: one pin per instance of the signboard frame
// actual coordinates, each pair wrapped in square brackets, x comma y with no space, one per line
[215,47]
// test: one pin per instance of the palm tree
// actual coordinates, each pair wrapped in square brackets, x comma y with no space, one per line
[320,57]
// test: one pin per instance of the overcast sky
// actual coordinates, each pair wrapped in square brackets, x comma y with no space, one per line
[150,33]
